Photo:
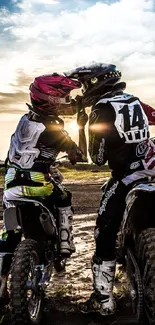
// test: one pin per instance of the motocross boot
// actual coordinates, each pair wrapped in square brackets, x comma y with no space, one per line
[102,299]
[67,246]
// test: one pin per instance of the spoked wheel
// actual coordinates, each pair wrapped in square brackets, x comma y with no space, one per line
[4,300]
[146,255]
[25,293]
[136,289]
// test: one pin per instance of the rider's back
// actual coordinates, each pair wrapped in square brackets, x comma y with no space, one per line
[119,132]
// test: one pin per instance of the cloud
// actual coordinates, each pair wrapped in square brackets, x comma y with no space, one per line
[45,36]
[13,101]
[27,5]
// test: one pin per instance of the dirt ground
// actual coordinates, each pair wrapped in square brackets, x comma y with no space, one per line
[73,285]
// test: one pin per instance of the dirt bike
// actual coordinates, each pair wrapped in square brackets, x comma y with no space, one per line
[136,248]
[33,260]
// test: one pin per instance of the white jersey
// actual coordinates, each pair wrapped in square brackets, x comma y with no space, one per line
[23,150]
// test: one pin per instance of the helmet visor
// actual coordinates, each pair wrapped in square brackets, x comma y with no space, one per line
[103,78]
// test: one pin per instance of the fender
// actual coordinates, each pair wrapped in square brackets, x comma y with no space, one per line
[10,215]
[10,218]
[131,197]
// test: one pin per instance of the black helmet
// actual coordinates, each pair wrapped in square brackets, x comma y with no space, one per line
[98,79]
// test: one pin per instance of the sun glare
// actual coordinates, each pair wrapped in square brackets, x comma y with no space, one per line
[73,126]
[98,127]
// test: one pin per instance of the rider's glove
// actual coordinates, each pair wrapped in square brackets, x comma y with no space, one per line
[75,155]
[82,116]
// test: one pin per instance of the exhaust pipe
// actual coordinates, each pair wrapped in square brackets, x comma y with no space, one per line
[47,224]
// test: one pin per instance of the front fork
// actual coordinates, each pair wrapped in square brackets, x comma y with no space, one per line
[41,277]
[42,273]
[120,250]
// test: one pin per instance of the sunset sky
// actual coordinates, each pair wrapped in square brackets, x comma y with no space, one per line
[44,36]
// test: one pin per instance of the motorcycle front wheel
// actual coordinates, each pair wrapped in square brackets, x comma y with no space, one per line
[146,259]
[26,296]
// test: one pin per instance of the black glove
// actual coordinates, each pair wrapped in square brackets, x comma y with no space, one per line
[82,117]
[75,155]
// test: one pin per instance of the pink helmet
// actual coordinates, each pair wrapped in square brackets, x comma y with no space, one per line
[48,91]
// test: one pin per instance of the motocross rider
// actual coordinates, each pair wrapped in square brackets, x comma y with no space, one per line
[118,134]
[37,141]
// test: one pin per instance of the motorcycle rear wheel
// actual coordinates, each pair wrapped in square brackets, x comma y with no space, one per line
[146,258]
[136,290]
[26,301]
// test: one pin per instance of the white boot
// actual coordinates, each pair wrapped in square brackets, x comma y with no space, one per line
[102,300]
[103,284]
[65,231]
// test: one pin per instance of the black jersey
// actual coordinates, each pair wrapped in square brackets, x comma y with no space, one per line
[119,134]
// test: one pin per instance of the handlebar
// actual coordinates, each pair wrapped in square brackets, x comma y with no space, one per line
[153,139]
[59,161]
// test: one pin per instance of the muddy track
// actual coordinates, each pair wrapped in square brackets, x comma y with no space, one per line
[74,285]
